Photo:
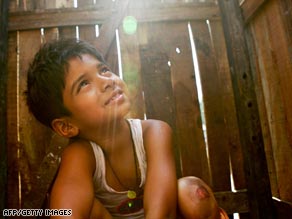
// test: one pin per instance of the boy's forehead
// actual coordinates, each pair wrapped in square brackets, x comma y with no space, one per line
[85,57]
[79,64]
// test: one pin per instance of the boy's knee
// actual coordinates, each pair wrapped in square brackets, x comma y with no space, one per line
[196,200]
[194,187]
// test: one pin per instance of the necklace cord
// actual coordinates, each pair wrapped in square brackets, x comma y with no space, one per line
[137,174]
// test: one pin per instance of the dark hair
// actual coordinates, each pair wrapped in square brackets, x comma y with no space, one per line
[45,77]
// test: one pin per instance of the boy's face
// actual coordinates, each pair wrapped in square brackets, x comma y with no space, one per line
[93,94]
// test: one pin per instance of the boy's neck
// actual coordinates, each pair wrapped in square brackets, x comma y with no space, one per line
[112,137]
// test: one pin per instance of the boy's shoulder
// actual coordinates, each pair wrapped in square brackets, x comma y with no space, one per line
[152,128]
[77,144]
[79,151]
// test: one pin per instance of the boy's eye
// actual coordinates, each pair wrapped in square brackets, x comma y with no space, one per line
[82,84]
[104,70]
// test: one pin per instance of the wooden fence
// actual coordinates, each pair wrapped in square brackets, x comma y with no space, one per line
[175,63]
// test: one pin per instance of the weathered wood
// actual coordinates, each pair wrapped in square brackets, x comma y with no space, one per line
[32,136]
[67,32]
[189,129]
[286,9]
[229,110]
[49,34]
[275,67]
[188,122]
[85,3]
[12,6]
[257,177]
[176,12]
[270,98]
[155,70]
[158,94]
[131,68]
[213,108]
[3,88]
[283,63]
[250,8]
[12,126]
[283,209]
[68,17]
[233,201]
[112,56]
[87,33]
[43,178]
[108,29]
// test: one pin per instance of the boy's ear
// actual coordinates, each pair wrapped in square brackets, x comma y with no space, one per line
[64,128]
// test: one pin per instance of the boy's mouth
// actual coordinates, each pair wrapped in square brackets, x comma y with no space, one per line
[116,96]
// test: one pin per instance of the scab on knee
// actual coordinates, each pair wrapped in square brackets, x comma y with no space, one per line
[196,200]
[194,188]
[202,192]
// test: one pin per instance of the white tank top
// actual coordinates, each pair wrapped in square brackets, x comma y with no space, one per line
[114,201]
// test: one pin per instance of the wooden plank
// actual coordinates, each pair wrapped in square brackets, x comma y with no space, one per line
[286,14]
[43,178]
[131,68]
[257,177]
[282,61]
[56,18]
[250,8]
[107,30]
[13,200]
[67,32]
[105,4]
[24,5]
[87,33]
[68,17]
[189,131]
[284,209]
[272,54]
[84,3]
[233,202]
[106,42]
[176,45]
[32,135]
[49,34]
[12,6]
[229,110]
[176,12]
[111,56]
[155,70]
[268,87]
[158,95]
[217,134]
[4,4]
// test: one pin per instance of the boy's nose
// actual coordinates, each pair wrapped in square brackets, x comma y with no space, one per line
[108,83]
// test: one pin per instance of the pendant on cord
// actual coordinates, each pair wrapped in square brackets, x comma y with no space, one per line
[131,194]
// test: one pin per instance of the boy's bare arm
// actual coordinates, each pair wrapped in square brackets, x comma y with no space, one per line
[73,188]
[161,183]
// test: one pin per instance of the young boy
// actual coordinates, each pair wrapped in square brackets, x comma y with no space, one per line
[113,167]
